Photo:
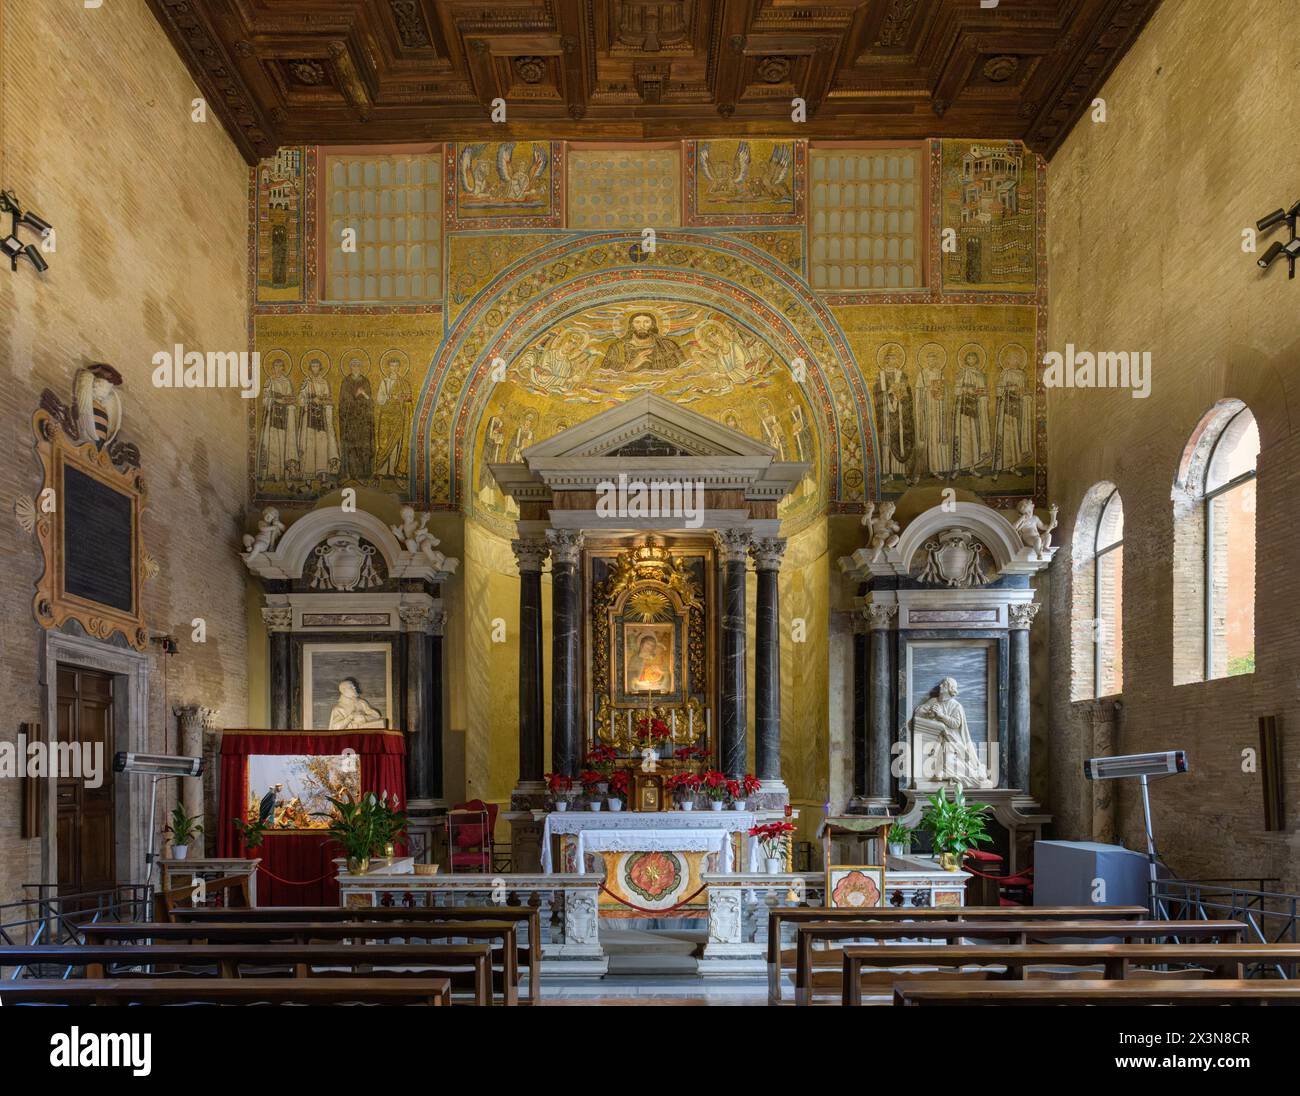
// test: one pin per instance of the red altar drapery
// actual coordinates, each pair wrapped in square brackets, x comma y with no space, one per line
[297,867]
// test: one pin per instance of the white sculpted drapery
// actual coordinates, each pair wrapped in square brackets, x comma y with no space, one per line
[945,718]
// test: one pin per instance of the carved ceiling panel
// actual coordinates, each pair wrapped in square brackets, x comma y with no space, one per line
[380,71]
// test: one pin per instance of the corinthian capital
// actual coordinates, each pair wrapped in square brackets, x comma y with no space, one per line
[733,545]
[1022,615]
[277,618]
[767,553]
[566,545]
[530,553]
[880,616]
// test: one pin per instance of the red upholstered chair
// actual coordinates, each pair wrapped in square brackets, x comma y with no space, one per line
[469,835]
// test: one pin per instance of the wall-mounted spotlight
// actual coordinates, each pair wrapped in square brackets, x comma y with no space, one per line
[1291,249]
[11,246]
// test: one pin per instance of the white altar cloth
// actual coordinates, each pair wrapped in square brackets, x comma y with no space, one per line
[675,831]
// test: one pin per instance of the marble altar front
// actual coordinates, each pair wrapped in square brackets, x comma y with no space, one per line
[724,833]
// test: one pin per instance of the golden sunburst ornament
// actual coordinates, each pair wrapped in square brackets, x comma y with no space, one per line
[648,604]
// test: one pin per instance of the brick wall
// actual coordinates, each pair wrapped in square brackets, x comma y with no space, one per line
[1146,218]
[150,214]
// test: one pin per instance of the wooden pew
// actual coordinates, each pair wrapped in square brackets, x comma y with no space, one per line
[1152,991]
[529,957]
[226,991]
[1014,932]
[779,961]
[1117,961]
[297,960]
[239,932]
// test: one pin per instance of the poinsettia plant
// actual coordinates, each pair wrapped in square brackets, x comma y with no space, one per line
[601,759]
[559,784]
[693,753]
[772,836]
[591,779]
[749,785]
[620,784]
[715,785]
[651,732]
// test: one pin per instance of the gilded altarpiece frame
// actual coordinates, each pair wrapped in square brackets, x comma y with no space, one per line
[662,590]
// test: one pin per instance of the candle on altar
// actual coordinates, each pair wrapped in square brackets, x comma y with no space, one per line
[672,722]
[690,724]
[629,723]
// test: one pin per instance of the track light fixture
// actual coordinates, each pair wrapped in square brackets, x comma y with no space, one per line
[1291,249]
[11,246]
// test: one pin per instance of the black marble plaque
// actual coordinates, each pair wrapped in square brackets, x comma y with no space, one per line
[98,553]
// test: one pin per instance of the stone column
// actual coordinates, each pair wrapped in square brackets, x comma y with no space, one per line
[279,620]
[880,703]
[859,707]
[530,552]
[767,553]
[192,720]
[566,676]
[733,547]
[423,715]
[1014,764]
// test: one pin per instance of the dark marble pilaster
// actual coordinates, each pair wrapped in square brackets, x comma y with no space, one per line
[733,547]
[437,678]
[767,553]
[423,702]
[566,623]
[880,702]
[860,669]
[530,554]
[278,620]
[1015,770]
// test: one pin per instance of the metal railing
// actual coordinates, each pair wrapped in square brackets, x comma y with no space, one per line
[1270,917]
[47,917]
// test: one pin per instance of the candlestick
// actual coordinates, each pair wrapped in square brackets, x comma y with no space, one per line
[672,722]
[690,724]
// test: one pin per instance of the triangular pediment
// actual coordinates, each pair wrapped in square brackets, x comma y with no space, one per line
[648,426]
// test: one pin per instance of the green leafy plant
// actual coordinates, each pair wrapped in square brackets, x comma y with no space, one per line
[356,825]
[390,822]
[900,834]
[250,832]
[954,825]
[183,825]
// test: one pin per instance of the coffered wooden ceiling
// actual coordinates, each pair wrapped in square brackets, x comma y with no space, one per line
[386,71]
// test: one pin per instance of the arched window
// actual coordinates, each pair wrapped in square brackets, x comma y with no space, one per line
[1214,545]
[1098,601]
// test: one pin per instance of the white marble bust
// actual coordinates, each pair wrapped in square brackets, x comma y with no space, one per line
[352,710]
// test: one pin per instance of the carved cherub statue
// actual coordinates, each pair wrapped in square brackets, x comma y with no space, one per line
[884,529]
[414,533]
[268,532]
[1033,533]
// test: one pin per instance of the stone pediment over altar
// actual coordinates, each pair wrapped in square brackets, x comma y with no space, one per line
[955,545]
[649,438]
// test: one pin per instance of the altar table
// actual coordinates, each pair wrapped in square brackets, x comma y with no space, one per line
[661,831]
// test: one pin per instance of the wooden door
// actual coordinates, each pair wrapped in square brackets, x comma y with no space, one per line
[86,834]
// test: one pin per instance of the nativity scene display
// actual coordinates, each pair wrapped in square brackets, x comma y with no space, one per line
[293,791]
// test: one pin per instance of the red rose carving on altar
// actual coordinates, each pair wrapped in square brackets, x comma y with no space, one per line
[856,889]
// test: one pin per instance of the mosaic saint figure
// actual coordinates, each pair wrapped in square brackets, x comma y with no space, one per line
[318,450]
[725,350]
[772,432]
[523,437]
[897,424]
[494,448]
[394,403]
[559,359]
[1013,414]
[970,431]
[357,419]
[277,438]
[642,348]
[931,412]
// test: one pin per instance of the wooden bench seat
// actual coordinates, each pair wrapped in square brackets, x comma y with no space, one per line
[1012,932]
[529,958]
[501,934]
[1105,961]
[1153,991]
[465,966]
[226,991]
[780,960]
